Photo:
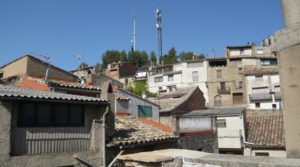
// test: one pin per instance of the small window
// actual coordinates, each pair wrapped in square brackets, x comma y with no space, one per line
[144,111]
[158,79]
[221,123]
[257,105]
[263,154]
[259,78]
[240,70]
[240,84]
[222,85]
[241,51]
[195,76]
[170,77]
[274,106]
[217,101]
[219,74]
[1,74]
[200,149]
[194,64]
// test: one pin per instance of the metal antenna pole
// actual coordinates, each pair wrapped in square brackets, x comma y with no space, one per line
[47,58]
[159,32]
[134,34]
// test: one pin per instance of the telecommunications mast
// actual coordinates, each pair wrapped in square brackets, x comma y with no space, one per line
[159,32]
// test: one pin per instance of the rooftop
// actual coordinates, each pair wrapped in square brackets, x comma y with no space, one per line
[254,70]
[265,130]
[74,85]
[134,131]
[172,100]
[216,111]
[16,93]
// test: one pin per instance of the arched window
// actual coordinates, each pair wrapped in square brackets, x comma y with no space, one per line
[218,100]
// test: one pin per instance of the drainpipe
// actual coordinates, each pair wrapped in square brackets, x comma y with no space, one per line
[104,134]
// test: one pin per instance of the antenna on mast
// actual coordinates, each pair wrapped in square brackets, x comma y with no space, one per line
[47,58]
[78,57]
[159,32]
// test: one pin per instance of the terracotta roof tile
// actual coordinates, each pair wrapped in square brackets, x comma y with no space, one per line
[265,130]
[133,131]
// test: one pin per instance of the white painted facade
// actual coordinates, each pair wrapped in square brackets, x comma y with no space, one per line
[185,74]
[268,84]
[240,52]
[271,153]
[232,136]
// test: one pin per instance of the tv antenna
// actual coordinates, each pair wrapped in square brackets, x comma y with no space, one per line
[78,57]
[47,58]
[133,41]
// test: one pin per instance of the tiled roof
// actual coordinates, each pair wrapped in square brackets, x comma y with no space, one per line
[74,85]
[121,97]
[133,131]
[265,130]
[10,92]
[216,111]
[172,100]
[254,70]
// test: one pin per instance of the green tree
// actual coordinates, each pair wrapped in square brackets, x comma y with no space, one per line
[123,56]
[111,56]
[171,57]
[201,56]
[83,65]
[153,58]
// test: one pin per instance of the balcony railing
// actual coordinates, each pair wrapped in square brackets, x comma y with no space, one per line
[224,90]
[260,96]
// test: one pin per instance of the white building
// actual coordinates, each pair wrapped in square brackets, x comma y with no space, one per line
[263,88]
[185,74]
[229,123]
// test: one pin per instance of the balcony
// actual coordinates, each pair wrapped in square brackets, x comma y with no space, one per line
[260,96]
[224,90]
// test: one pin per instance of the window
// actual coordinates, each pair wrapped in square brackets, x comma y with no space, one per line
[259,78]
[158,79]
[1,74]
[46,114]
[194,64]
[268,62]
[241,51]
[274,106]
[263,154]
[170,77]
[217,100]
[219,74]
[144,111]
[259,51]
[195,76]
[240,70]
[221,123]
[222,85]
[257,105]
[240,84]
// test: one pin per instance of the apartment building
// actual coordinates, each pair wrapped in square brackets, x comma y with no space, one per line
[169,78]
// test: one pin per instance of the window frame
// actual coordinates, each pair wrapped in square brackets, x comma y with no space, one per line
[158,79]
[53,111]
[219,121]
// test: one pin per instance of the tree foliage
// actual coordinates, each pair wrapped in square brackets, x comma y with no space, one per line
[83,65]
[141,58]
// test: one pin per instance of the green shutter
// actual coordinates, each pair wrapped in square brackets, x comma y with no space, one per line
[145,111]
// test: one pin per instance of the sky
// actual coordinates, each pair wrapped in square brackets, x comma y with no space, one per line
[63,28]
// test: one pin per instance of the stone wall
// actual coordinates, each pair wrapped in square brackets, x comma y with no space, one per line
[205,142]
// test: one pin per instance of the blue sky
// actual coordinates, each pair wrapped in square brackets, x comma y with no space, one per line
[63,28]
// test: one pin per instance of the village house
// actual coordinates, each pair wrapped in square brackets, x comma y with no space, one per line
[134,134]
[177,103]
[122,71]
[262,86]
[34,67]
[227,124]
[31,72]
[265,134]
[169,78]
[138,106]
[42,128]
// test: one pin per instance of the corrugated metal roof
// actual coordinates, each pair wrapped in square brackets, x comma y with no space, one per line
[10,92]
[215,111]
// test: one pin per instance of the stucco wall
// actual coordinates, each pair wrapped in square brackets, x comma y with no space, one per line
[134,102]
[272,153]
[233,134]
[17,68]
